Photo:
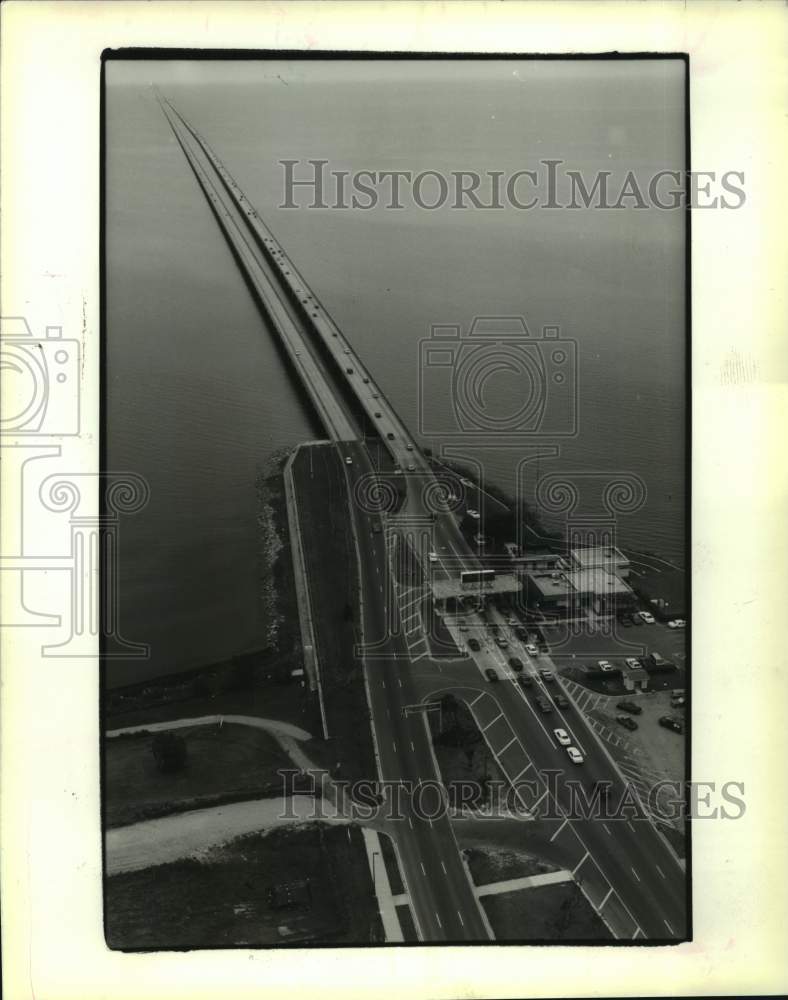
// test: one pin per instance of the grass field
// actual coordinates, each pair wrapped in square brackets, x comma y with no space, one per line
[495,864]
[229,762]
[333,587]
[305,885]
[548,913]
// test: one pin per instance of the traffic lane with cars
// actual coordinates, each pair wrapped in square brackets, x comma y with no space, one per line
[631,854]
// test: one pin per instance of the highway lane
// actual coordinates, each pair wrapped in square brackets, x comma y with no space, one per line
[632,855]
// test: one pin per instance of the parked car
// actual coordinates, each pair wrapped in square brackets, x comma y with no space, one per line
[647,617]
[531,649]
[543,704]
[491,675]
[525,681]
[626,721]
[561,701]
[365,380]
[348,371]
[503,643]
[390,436]
[678,701]
[625,621]
[432,556]
[474,514]
[348,460]
[516,663]
[636,619]
[677,623]
[631,707]
[668,722]
[521,632]
[632,663]
[377,414]
[563,737]
[605,666]
[574,755]
[547,676]
[376,528]
[474,645]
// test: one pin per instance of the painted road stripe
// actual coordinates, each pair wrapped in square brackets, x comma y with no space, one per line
[607,829]
[607,897]
[512,740]
[668,926]
[477,698]
[634,873]
[460,916]
[527,768]
[394,745]
[497,717]
[423,870]
[580,862]
[662,874]
[444,868]
[439,920]
[560,828]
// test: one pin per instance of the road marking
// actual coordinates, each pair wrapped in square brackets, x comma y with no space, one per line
[607,897]
[638,930]
[580,862]
[497,717]
[410,822]
[423,870]
[634,873]
[607,829]
[528,767]
[660,871]
[512,740]
[560,828]
[630,826]
[444,868]
[393,743]
[412,746]
[476,699]
[460,916]
[668,926]
[400,681]
[439,920]
[383,683]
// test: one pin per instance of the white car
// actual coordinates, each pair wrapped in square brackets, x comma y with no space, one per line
[466,482]
[562,736]
[474,514]
[531,649]
[605,666]
[348,460]
[411,467]
[433,558]
[632,663]
[677,623]
[574,755]
[647,617]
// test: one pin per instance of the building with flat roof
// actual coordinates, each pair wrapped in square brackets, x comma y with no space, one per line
[549,590]
[606,557]
[604,591]
[455,591]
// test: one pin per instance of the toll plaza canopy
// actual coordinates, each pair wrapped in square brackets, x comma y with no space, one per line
[442,590]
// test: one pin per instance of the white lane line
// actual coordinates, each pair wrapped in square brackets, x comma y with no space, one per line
[634,873]
[460,916]
[410,822]
[560,828]
[470,703]
[630,826]
[580,862]
[607,829]
[412,746]
[607,897]
[512,740]
[423,870]
[444,868]
[383,683]
[439,920]
[497,717]
[393,743]
[527,768]
[662,874]
[668,926]
[637,931]
[400,681]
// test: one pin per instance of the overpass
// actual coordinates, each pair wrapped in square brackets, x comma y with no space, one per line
[345,397]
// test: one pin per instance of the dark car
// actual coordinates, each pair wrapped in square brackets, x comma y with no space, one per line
[376,527]
[630,706]
[547,676]
[626,622]
[515,663]
[525,681]
[390,436]
[561,701]
[636,619]
[474,645]
[349,371]
[668,722]
[521,633]
[491,675]
[543,704]
[626,721]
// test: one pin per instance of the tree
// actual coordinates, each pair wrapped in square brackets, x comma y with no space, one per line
[169,752]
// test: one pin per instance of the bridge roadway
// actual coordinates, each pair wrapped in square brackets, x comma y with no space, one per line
[634,860]
[445,907]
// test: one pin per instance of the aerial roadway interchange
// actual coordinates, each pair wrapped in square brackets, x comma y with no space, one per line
[625,868]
